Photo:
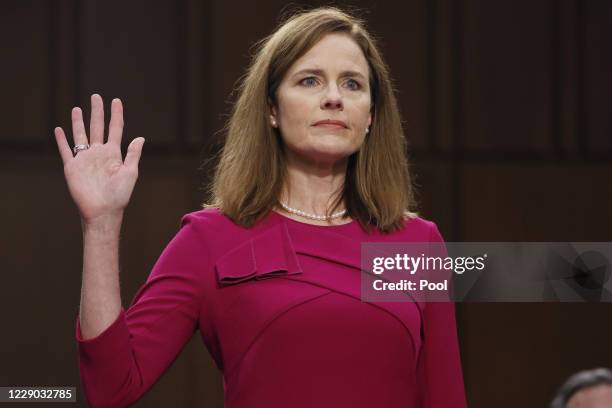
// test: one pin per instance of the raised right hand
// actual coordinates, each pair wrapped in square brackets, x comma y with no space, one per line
[99,181]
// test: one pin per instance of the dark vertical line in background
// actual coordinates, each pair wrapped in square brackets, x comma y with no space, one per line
[581,124]
[53,79]
[431,131]
[458,119]
[455,168]
[207,39]
[209,138]
[183,126]
[79,34]
[556,75]
[181,74]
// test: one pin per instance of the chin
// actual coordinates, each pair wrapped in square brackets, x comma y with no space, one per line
[330,153]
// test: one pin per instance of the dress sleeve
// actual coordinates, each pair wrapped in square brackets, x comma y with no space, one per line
[120,364]
[439,368]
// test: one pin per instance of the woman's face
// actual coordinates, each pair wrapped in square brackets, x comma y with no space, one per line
[328,83]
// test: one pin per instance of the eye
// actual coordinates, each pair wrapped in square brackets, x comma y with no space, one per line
[353,85]
[309,81]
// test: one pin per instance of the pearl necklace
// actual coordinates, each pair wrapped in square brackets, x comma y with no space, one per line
[312,216]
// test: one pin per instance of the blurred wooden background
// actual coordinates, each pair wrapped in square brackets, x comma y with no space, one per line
[507,112]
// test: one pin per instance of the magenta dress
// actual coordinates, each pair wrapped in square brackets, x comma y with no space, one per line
[278,307]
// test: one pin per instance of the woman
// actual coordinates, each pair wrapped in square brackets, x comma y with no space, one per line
[269,271]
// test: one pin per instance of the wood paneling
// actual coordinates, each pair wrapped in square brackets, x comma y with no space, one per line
[434,180]
[403,36]
[506,72]
[518,354]
[25,72]
[566,49]
[234,30]
[536,202]
[130,50]
[597,65]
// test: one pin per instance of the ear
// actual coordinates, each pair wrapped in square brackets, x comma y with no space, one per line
[370,119]
[273,112]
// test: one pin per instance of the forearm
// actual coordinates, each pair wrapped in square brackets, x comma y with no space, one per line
[100,291]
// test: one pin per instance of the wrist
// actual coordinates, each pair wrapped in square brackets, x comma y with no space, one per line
[104,224]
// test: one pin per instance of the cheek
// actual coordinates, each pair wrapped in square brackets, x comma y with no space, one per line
[295,109]
[296,117]
[361,112]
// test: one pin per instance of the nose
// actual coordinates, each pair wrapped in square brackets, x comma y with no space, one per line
[332,98]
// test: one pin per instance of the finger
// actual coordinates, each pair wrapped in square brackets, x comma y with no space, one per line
[62,145]
[134,152]
[96,124]
[78,128]
[115,127]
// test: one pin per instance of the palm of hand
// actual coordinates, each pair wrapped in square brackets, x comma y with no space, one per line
[99,181]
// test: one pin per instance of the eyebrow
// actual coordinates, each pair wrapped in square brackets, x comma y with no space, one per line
[319,72]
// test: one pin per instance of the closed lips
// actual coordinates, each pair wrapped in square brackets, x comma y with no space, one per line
[330,123]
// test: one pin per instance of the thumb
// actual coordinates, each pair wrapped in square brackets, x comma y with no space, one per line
[133,152]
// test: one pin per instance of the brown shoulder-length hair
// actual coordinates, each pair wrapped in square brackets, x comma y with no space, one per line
[249,177]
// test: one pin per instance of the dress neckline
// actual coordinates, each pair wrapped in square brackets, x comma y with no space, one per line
[291,220]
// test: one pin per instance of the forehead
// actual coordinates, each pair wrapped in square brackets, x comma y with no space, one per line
[333,52]
[597,396]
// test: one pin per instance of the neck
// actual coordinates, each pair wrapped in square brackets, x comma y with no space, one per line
[311,187]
